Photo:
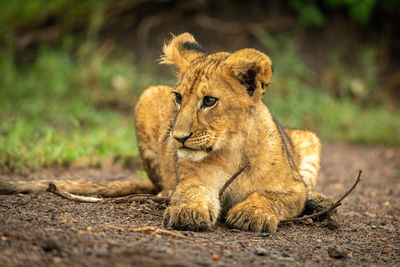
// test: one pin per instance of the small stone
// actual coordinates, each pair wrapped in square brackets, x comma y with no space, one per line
[163,249]
[308,221]
[112,242]
[284,258]
[336,254]
[227,254]
[52,243]
[261,251]
[215,257]
[332,224]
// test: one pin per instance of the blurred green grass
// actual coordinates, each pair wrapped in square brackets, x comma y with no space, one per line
[300,98]
[74,104]
[69,108]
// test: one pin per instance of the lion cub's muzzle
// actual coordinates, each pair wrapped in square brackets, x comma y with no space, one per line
[182,139]
[193,141]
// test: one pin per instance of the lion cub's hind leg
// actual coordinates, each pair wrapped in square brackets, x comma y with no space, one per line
[307,148]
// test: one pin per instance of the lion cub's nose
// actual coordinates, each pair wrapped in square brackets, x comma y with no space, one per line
[182,137]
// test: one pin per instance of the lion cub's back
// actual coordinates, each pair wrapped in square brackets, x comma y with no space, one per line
[153,112]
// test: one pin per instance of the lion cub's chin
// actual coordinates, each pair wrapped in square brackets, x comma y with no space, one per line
[192,155]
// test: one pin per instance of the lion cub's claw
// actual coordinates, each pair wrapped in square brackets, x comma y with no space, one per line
[251,218]
[185,217]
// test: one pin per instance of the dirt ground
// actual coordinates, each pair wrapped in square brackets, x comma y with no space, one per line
[45,229]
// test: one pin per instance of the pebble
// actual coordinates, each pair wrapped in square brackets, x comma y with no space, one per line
[227,254]
[284,258]
[52,243]
[102,252]
[215,257]
[337,254]
[112,242]
[308,221]
[332,225]
[261,251]
[163,249]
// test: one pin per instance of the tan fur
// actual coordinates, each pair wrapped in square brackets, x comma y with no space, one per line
[283,163]
[189,149]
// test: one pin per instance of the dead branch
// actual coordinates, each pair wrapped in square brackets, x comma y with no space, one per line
[332,207]
[139,198]
[132,198]
[234,176]
[62,193]
[150,230]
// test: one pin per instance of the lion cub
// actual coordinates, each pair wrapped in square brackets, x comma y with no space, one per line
[193,138]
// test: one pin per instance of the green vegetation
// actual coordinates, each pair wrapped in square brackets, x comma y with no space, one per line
[312,12]
[22,14]
[62,110]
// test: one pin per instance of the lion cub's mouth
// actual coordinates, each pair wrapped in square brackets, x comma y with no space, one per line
[188,153]
[206,149]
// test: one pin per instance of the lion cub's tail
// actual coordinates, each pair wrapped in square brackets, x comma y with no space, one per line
[106,189]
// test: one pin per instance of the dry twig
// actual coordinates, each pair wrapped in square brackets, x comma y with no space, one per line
[150,230]
[62,193]
[234,176]
[332,207]
[138,197]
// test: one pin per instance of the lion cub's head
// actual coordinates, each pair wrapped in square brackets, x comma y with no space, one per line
[215,96]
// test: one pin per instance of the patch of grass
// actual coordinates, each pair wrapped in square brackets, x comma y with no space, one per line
[68,108]
[295,100]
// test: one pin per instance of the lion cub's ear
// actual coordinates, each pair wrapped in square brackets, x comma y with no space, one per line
[181,51]
[253,69]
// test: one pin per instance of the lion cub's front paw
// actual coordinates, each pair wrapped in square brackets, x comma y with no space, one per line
[250,217]
[188,217]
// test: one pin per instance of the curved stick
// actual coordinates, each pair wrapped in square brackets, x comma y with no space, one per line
[332,207]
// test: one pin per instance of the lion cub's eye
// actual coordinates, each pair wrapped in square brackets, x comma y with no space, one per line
[209,101]
[178,98]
